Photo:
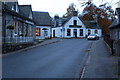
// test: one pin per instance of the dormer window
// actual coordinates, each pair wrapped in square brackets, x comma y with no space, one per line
[75,22]
[13,8]
[17,9]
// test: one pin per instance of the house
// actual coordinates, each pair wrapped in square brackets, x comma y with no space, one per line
[92,27]
[73,26]
[115,33]
[43,24]
[18,26]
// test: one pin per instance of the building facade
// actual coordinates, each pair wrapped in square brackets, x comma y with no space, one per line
[73,26]
[17,27]
[115,33]
[43,25]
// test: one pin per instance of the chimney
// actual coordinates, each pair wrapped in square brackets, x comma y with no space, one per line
[74,13]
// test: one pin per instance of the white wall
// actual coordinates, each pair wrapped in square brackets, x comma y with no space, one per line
[72,32]
[42,36]
[70,22]
[58,32]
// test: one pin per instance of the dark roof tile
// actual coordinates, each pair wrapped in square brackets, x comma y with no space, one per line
[25,10]
[42,18]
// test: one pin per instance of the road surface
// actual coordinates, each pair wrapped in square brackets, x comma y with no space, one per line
[63,59]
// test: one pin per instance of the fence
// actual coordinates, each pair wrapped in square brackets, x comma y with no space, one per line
[13,44]
[18,39]
[109,41]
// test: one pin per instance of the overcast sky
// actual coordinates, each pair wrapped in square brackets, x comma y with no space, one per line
[53,6]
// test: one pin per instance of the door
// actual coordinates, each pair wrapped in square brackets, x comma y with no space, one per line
[54,33]
[75,33]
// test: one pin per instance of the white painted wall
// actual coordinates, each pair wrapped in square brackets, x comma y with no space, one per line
[72,32]
[58,32]
[70,22]
[42,36]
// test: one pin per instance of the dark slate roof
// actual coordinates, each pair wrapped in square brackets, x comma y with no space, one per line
[65,20]
[11,5]
[7,8]
[91,24]
[25,10]
[117,11]
[116,21]
[42,18]
[114,24]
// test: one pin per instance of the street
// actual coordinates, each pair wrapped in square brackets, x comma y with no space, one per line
[64,59]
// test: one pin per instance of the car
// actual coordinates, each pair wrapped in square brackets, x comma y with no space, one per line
[93,37]
[97,37]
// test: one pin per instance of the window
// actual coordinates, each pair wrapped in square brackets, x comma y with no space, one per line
[96,31]
[68,32]
[37,31]
[81,32]
[30,31]
[75,22]
[89,32]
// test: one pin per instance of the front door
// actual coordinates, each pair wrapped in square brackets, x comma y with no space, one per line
[54,33]
[75,33]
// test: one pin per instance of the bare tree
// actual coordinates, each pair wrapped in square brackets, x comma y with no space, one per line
[70,9]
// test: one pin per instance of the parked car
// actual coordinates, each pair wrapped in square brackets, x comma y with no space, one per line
[93,37]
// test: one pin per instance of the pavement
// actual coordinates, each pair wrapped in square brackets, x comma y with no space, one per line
[42,43]
[100,62]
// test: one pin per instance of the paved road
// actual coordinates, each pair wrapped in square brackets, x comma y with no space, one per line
[63,59]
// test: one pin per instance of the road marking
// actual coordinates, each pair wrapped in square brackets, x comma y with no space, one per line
[83,72]
[86,63]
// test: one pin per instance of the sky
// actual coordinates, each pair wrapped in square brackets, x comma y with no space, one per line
[54,6]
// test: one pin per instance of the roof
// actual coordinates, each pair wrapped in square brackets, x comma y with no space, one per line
[10,4]
[91,24]
[117,12]
[25,10]
[65,20]
[7,8]
[42,18]
[114,24]
[116,21]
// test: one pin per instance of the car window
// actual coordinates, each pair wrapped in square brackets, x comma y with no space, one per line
[92,35]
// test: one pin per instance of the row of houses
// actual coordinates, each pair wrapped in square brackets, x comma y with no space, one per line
[115,33]
[115,37]
[20,22]
[22,26]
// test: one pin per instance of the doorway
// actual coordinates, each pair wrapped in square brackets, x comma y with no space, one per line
[75,33]
[54,33]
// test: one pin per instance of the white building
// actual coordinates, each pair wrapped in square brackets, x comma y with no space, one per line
[43,25]
[73,27]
